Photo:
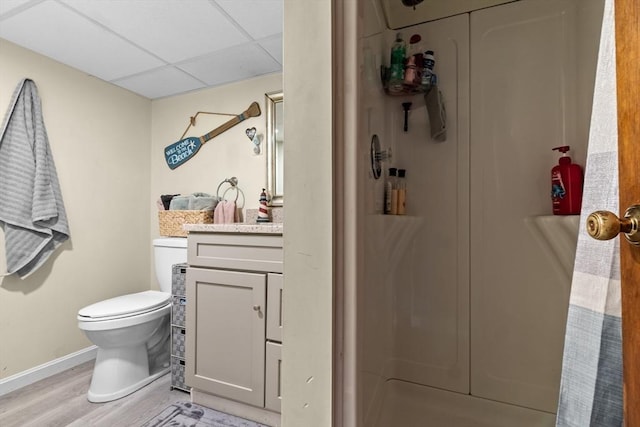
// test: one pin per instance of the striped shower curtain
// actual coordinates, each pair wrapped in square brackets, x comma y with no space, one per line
[591,384]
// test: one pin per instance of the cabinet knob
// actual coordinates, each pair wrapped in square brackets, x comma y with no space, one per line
[605,225]
[256,308]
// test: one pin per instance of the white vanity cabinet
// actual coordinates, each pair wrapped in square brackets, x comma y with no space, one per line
[233,316]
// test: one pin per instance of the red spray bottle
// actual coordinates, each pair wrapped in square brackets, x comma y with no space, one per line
[566,185]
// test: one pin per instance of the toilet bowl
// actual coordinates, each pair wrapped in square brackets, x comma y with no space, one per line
[132,332]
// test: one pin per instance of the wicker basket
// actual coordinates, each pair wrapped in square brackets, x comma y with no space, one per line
[171,221]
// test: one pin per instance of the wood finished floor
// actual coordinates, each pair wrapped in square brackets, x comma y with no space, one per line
[61,400]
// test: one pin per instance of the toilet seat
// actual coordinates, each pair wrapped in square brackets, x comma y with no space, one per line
[124,306]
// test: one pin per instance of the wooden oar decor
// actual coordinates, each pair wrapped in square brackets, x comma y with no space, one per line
[181,151]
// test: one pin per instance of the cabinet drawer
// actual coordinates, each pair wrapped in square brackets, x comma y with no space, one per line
[272,377]
[274,307]
[178,341]
[236,251]
[177,374]
[178,310]
[178,273]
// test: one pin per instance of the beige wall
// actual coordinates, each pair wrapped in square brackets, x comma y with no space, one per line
[107,144]
[228,154]
[99,137]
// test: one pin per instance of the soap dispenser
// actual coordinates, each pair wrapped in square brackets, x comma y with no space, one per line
[566,185]
[263,210]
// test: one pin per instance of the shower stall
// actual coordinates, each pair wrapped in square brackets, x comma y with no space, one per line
[462,309]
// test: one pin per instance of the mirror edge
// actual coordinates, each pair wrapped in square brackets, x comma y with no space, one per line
[271,99]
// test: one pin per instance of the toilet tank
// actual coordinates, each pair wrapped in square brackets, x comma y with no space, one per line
[166,252]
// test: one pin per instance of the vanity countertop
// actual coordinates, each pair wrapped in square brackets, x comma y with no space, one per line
[238,227]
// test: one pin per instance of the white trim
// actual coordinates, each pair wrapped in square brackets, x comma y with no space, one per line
[30,376]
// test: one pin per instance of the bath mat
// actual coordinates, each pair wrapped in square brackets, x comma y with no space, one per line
[187,414]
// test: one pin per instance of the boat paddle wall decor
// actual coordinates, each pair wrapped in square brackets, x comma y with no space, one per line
[181,151]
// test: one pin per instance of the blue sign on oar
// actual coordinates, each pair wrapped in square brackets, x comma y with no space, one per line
[181,151]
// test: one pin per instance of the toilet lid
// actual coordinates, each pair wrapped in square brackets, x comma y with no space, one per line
[124,305]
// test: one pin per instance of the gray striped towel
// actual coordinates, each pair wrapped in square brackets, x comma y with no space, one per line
[32,213]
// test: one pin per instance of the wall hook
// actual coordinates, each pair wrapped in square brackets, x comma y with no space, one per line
[251,134]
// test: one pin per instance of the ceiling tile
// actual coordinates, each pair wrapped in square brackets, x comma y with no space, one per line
[174,30]
[144,45]
[159,83]
[74,41]
[232,65]
[8,5]
[273,45]
[260,18]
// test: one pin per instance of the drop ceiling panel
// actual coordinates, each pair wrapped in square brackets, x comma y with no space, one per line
[162,82]
[155,48]
[7,5]
[75,41]
[273,45]
[174,30]
[260,18]
[232,65]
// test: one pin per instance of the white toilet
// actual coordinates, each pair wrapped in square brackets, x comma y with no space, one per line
[132,332]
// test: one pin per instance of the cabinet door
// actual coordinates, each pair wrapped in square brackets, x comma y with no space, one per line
[274,307]
[273,375]
[226,333]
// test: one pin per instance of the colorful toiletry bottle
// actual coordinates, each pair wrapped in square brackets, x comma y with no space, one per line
[414,63]
[566,185]
[428,76]
[396,71]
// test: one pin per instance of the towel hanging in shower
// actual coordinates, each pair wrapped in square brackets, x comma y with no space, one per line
[32,212]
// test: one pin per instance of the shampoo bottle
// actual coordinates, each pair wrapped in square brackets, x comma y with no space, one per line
[396,72]
[566,185]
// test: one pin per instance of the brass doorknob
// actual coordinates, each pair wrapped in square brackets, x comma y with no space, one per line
[605,225]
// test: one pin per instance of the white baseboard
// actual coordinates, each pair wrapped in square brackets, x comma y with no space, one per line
[46,370]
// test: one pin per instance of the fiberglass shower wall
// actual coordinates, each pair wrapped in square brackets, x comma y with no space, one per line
[458,294]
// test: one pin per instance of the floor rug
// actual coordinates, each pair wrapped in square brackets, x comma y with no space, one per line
[187,414]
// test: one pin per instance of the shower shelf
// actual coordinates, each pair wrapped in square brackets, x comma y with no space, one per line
[407,90]
[558,234]
[393,235]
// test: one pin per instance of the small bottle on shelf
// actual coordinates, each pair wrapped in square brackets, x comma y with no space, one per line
[413,70]
[410,72]
[396,69]
[427,72]
[390,204]
[402,192]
